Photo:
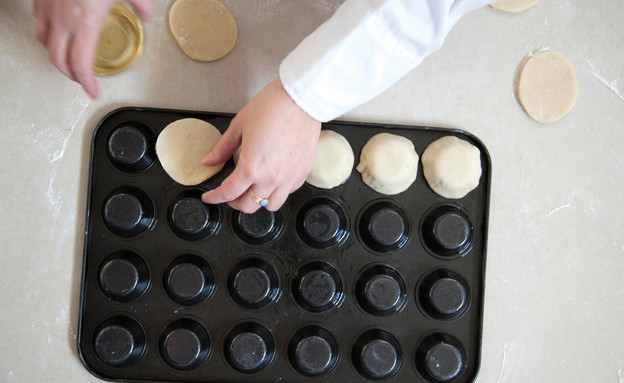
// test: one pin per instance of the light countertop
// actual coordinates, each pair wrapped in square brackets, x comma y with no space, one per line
[554,299]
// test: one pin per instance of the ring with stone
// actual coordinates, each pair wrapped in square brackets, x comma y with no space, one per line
[259,200]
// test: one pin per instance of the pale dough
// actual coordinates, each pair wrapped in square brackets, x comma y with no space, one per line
[204,29]
[452,166]
[513,6]
[388,163]
[181,146]
[333,162]
[547,88]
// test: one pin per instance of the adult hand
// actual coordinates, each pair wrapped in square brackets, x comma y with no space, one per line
[69,29]
[278,143]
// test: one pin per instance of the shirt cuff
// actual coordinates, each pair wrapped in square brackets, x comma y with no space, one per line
[364,48]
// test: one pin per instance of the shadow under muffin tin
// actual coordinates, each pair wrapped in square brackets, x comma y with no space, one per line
[338,285]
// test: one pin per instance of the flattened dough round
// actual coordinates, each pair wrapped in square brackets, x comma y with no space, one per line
[204,29]
[333,162]
[547,88]
[513,6]
[181,146]
[452,166]
[388,163]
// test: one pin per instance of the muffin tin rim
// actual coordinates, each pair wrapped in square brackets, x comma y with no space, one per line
[485,180]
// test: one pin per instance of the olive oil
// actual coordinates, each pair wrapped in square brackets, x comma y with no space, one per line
[120,42]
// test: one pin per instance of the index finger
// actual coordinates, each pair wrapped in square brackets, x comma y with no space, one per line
[82,53]
[231,188]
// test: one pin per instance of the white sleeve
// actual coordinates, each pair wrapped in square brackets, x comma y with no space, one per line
[364,48]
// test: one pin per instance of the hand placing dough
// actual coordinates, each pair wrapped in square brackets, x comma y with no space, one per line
[70,30]
[278,142]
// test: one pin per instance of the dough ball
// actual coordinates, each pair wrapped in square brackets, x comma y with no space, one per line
[547,87]
[333,162]
[204,29]
[513,6]
[452,166]
[181,146]
[388,163]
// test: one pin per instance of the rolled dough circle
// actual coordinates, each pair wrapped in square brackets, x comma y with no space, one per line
[388,163]
[181,146]
[333,162]
[547,88]
[513,6]
[452,166]
[204,29]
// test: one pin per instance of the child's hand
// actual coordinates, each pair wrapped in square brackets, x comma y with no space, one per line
[69,29]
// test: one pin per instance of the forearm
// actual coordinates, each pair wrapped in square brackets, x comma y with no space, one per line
[364,48]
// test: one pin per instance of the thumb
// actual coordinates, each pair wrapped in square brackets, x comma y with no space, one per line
[144,7]
[223,150]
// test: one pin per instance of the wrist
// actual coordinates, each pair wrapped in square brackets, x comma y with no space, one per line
[291,103]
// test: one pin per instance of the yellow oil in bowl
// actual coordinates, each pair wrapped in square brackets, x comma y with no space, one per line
[120,42]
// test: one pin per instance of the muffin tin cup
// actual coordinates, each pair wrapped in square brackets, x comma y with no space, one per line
[191,219]
[131,147]
[377,354]
[189,279]
[124,276]
[317,287]
[258,228]
[185,344]
[249,347]
[384,226]
[443,294]
[313,351]
[254,283]
[322,223]
[128,212]
[119,341]
[381,290]
[342,284]
[440,357]
[447,231]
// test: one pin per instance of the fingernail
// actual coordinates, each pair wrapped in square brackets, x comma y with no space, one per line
[207,158]
[206,197]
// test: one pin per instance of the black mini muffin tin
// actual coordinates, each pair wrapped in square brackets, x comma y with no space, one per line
[341,285]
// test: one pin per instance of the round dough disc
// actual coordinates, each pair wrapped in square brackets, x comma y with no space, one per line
[181,146]
[204,29]
[333,162]
[513,6]
[452,166]
[547,86]
[388,163]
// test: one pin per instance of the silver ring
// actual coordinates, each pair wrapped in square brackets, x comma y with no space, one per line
[259,200]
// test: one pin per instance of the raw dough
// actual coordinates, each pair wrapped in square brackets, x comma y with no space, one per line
[333,162]
[388,163]
[182,145]
[547,87]
[513,6]
[204,29]
[452,166]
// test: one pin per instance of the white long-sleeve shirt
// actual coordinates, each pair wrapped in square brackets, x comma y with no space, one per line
[364,48]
